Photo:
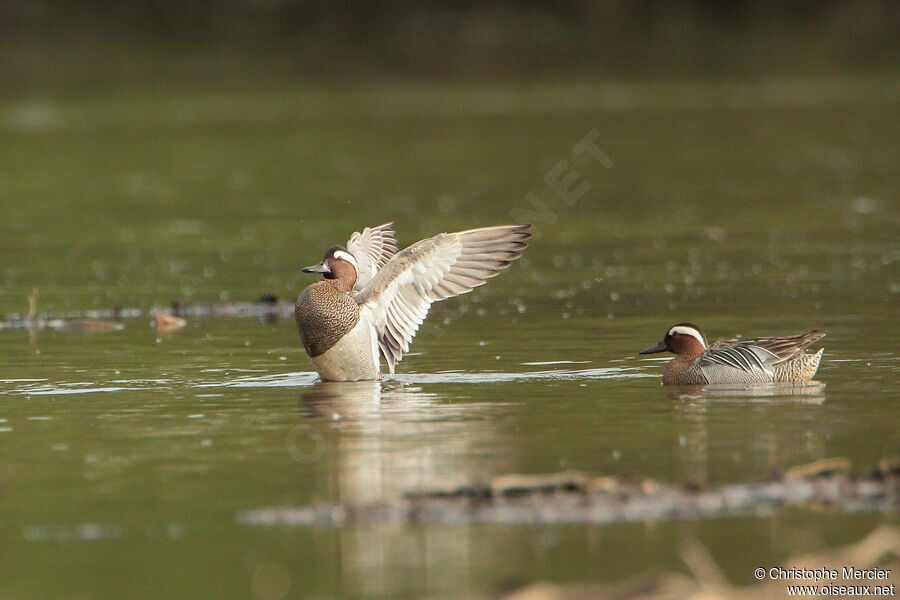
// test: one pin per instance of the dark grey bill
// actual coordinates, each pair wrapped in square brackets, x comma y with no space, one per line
[319,268]
[660,347]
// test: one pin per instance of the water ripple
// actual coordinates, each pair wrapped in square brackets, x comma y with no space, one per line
[42,387]
[306,378]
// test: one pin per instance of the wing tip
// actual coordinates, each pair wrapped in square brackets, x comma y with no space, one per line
[523,230]
[812,336]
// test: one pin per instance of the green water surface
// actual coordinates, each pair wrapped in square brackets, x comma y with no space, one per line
[753,208]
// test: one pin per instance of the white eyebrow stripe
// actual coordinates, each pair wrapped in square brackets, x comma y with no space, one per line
[340,254]
[688,331]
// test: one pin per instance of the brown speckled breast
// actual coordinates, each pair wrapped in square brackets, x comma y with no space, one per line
[681,371]
[324,315]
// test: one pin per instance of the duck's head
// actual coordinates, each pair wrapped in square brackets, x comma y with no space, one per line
[683,338]
[338,264]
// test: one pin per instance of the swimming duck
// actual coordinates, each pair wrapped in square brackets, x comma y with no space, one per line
[756,360]
[373,299]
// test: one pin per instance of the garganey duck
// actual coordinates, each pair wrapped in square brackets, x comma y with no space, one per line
[756,360]
[373,299]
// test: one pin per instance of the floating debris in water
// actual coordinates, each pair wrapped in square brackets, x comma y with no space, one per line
[571,497]
[828,467]
[167,322]
[87,326]
[267,307]
[87,322]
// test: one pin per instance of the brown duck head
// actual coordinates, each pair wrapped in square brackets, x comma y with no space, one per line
[339,266]
[683,339]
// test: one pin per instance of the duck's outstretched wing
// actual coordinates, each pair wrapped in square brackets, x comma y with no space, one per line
[397,299]
[753,356]
[372,249]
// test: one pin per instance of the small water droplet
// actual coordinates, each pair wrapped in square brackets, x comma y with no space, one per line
[175,530]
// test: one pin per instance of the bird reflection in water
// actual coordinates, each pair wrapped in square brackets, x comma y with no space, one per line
[810,392]
[385,438]
[769,448]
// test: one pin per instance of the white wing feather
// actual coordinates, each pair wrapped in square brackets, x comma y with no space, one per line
[396,301]
[372,248]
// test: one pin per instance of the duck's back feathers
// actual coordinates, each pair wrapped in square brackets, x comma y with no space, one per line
[737,362]
[398,297]
[756,359]
[785,348]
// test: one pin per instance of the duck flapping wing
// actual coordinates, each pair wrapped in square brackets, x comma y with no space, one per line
[372,249]
[396,301]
